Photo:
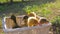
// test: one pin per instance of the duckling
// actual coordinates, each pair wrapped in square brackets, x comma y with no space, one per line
[13,17]
[25,19]
[32,21]
[43,21]
[33,14]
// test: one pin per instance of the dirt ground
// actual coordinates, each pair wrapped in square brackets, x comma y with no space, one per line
[1,31]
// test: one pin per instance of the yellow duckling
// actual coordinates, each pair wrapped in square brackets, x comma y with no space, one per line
[32,21]
[33,14]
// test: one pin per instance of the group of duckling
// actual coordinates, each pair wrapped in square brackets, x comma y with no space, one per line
[31,20]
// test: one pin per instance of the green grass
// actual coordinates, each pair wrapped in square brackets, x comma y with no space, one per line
[5,1]
[42,10]
[0,23]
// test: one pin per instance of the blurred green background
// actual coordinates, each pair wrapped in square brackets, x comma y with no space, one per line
[45,8]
